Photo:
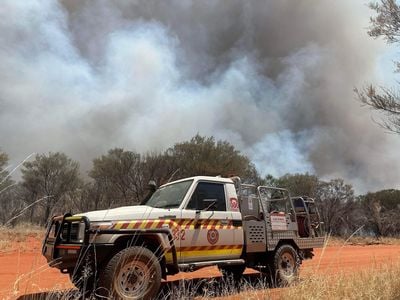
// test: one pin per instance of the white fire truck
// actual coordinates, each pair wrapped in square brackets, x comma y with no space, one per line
[123,253]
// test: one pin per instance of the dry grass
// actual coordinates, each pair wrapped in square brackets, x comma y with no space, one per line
[363,241]
[378,282]
[16,237]
[381,282]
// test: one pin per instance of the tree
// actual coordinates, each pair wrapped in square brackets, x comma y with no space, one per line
[299,184]
[10,202]
[387,101]
[87,197]
[5,180]
[205,156]
[3,160]
[335,201]
[122,176]
[160,167]
[381,210]
[12,205]
[53,178]
[119,175]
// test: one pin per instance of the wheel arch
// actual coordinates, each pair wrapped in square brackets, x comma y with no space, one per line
[290,242]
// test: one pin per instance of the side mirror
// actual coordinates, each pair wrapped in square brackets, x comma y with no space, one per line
[209,203]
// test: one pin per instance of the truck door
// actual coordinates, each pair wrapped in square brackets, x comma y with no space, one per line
[209,232]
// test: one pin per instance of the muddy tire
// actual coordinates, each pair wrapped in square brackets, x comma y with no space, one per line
[286,264]
[133,273]
[235,272]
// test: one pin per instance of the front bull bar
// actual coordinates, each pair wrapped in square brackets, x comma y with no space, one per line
[49,246]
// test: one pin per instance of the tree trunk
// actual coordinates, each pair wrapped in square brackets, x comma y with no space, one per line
[46,214]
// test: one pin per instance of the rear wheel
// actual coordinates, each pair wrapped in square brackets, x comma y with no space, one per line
[286,265]
[133,273]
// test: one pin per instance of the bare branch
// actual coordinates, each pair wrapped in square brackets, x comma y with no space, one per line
[387,102]
[387,22]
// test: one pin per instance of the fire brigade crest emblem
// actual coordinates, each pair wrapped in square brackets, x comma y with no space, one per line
[212,236]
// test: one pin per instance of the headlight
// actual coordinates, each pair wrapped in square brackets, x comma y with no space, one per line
[73,232]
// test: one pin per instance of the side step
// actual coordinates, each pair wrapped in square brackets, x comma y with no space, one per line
[190,267]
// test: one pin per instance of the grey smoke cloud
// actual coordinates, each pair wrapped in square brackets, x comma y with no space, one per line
[275,78]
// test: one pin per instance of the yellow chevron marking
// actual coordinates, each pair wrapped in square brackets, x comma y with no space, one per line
[185,222]
[155,224]
[131,224]
[119,225]
[211,226]
[143,225]
[173,224]
[204,224]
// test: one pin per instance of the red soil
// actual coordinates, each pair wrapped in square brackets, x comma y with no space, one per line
[25,271]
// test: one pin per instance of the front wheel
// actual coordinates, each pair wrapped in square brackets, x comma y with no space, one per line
[286,265]
[133,273]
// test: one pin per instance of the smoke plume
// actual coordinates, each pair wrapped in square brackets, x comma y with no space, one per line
[275,78]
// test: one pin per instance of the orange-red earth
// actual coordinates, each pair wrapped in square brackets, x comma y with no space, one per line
[24,271]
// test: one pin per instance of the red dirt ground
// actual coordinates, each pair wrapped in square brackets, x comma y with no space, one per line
[26,272]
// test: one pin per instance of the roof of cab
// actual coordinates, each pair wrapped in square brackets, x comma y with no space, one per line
[202,178]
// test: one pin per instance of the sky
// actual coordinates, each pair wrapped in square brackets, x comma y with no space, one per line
[386,68]
[274,78]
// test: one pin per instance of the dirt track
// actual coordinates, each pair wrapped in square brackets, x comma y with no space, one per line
[26,273]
